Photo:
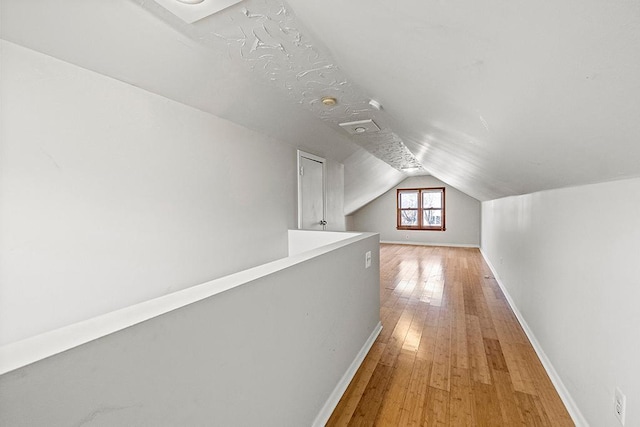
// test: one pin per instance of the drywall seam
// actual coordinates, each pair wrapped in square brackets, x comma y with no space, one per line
[451,245]
[335,396]
[569,403]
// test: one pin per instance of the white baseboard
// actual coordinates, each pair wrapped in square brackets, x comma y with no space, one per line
[341,387]
[572,408]
[406,242]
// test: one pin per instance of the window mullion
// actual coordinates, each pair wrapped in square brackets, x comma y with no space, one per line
[420,214]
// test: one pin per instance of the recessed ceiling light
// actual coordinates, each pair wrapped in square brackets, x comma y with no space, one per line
[360,129]
[190,1]
[329,101]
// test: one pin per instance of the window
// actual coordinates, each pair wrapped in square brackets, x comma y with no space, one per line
[421,209]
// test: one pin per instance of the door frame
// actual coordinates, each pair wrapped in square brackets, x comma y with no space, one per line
[323,161]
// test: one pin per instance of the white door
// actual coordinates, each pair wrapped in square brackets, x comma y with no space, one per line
[310,192]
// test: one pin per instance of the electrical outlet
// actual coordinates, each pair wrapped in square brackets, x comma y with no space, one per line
[367,259]
[620,403]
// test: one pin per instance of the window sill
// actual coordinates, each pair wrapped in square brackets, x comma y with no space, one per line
[421,229]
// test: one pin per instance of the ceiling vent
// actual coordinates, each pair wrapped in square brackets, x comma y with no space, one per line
[360,127]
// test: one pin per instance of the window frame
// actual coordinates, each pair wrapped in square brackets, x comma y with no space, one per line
[420,209]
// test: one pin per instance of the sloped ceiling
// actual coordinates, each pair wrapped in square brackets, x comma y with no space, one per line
[494,98]
[498,97]
[133,42]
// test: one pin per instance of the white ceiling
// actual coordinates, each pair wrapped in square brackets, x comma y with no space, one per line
[498,97]
[495,98]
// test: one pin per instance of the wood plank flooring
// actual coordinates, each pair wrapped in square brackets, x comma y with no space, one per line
[451,353]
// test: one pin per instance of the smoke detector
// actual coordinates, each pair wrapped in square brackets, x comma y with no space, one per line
[360,127]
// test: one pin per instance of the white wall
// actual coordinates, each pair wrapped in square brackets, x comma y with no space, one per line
[569,259]
[270,352]
[462,217]
[111,195]
[305,240]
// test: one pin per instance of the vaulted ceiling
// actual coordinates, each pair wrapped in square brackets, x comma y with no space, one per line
[494,98]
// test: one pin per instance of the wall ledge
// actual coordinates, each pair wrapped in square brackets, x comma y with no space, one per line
[24,352]
[570,404]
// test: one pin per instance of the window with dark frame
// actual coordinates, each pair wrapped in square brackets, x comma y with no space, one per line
[421,209]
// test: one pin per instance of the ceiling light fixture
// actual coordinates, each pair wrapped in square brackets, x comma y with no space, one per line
[411,168]
[360,129]
[375,104]
[329,101]
[191,11]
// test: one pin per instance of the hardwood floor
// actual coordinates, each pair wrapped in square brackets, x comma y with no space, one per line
[451,353]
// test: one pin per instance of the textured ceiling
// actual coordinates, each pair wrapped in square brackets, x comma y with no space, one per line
[266,36]
[217,65]
[140,43]
[493,98]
